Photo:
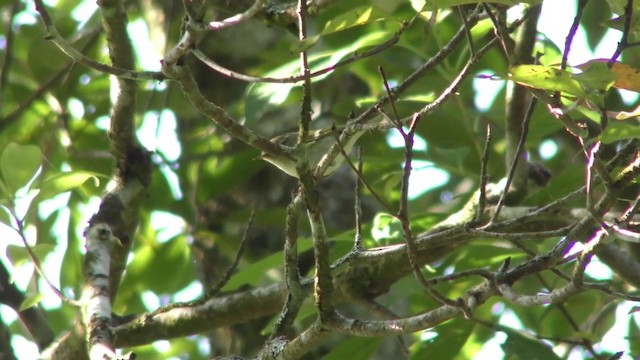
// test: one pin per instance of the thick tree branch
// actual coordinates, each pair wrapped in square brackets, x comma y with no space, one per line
[96,304]
[369,273]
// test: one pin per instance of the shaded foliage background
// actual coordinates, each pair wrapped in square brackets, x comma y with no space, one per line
[206,183]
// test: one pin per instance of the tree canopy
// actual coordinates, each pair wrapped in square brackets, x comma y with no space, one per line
[455,183]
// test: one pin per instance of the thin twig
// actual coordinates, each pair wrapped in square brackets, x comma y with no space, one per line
[630,212]
[624,41]
[484,176]
[467,30]
[572,33]
[357,208]
[34,259]
[358,173]
[514,163]
[425,68]
[396,118]
[232,268]
[502,34]
[236,19]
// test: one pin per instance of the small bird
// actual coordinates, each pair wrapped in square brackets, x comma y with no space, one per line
[318,144]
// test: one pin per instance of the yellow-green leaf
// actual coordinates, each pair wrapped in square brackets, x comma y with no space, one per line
[546,78]
[18,254]
[619,131]
[31,301]
[19,163]
[62,182]
[596,75]
[358,16]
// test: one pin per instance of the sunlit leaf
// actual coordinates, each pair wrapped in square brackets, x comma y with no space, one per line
[634,336]
[592,18]
[308,43]
[254,273]
[358,16]
[617,6]
[62,182]
[31,301]
[547,78]
[526,347]
[386,228]
[624,115]
[156,263]
[263,96]
[619,131]
[596,76]
[599,75]
[19,164]
[5,216]
[424,98]
[18,254]
[224,175]
[354,348]
[438,4]
[447,343]
[618,23]
[71,275]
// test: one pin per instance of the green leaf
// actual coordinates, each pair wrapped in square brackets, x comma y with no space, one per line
[63,182]
[634,337]
[262,97]
[306,44]
[31,301]
[386,228]
[18,254]
[617,6]
[157,265]
[419,98]
[596,75]
[618,23]
[592,18]
[55,59]
[254,273]
[355,348]
[525,347]
[354,17]
[19,163]
[5,216]
[450,339]
[619,131]
[547,78]
[439,4]
[231,172]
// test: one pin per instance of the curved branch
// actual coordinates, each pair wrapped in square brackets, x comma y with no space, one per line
[368,273]
[294,79]
[236,19]
[183,75]
[65,47]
